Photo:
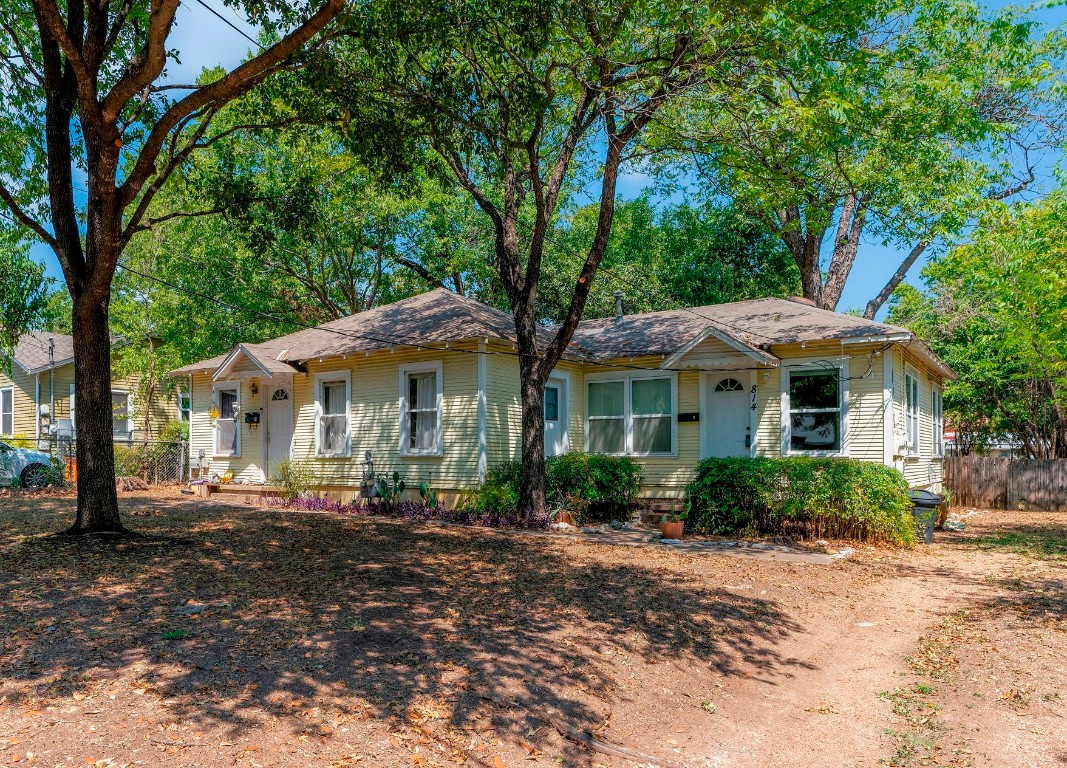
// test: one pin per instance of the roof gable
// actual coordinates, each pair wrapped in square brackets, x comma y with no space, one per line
[31,353]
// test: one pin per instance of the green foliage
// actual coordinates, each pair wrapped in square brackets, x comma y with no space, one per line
[996,312]
[24,291]
[608,484]
[175,431]
[295,476]
[898,136]
[812,497]
[129,460]
[591,486]
[668,256]
[428,495]
[390,492]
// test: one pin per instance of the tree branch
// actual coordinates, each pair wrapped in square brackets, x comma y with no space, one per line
[898,277]
[25,219]
[226,88]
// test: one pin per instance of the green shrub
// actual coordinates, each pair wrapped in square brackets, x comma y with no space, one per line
[811,497]
[173,431]
[609,484]
[128,460]
[596,486]
[297,477]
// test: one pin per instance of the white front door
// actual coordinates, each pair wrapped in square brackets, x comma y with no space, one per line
[279,426]
[556,438]
[728,426]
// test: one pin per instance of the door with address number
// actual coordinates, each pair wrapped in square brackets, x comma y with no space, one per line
[728,427]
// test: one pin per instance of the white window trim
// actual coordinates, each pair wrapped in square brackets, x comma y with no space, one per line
[628,421]
[215,389]
[937,412]
[332,376]
[822,366]
[563,377]
[405,423]
[129,411]
[188,395]
[11,389]
[912,448]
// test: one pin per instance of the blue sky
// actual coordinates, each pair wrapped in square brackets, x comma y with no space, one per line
[203,40]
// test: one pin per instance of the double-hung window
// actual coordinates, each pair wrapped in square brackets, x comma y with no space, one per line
[814,411]
[633,415]
[120,414]
[421,409]
[332,429]
[227,426]
[7,411]
[911,411]
[938,407]
[185,406]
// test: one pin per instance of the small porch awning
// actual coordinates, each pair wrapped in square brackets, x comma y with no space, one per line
[716,347]
[246,361]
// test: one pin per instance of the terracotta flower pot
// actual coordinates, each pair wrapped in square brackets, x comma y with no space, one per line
[672,530]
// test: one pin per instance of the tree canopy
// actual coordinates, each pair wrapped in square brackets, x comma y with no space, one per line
[931,110]
[996,311]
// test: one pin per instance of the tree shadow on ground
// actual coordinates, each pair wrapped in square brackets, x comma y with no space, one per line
[223,611]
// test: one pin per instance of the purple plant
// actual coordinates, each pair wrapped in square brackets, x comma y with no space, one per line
[406,510]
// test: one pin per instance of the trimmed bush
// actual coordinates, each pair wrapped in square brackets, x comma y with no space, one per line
[607,484]
[807,497]
[592,486]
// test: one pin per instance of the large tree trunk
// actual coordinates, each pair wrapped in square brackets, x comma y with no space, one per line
[533,504]
[98,510]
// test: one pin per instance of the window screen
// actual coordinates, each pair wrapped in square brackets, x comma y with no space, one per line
[815,411]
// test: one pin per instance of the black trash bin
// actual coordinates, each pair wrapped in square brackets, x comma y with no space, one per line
[924,508]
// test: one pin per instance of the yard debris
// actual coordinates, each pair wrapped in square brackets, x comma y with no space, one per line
[841,554]
[129,483]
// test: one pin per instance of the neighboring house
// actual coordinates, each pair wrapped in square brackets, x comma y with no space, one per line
[429,386]
[37,394]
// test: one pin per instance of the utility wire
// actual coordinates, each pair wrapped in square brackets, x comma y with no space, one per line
[232,26]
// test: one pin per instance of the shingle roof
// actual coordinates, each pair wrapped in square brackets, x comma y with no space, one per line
[430,318]
[442,315]
[434,317]
[201,366]
[31,353]
[759,322]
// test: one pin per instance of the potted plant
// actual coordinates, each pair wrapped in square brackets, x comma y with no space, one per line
[672,525]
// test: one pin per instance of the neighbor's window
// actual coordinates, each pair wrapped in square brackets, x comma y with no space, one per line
[551,403]
[120,414]
[7,411]
[632,416]
[185,405]
[911,411]
[939,423]
[333,417]
[421,416]
[226,425]
[815,411]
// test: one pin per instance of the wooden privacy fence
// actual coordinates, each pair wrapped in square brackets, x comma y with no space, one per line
[994,483]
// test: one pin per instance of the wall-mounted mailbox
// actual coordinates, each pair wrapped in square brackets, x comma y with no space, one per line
[252,417]
[690,417]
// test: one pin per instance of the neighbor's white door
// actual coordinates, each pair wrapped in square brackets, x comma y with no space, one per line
[728,427]
[556,438]
[279,426]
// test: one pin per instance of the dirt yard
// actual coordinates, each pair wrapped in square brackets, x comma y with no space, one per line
[232,636]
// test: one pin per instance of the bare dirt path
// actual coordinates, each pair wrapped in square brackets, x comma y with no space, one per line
[234,636]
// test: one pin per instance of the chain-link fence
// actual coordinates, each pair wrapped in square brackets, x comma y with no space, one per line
[154,461]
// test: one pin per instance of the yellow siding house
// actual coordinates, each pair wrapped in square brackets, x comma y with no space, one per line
[428,387]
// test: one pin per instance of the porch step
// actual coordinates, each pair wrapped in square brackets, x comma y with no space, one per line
[653,509]
[240,489]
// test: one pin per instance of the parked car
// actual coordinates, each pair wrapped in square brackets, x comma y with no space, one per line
[30,468]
